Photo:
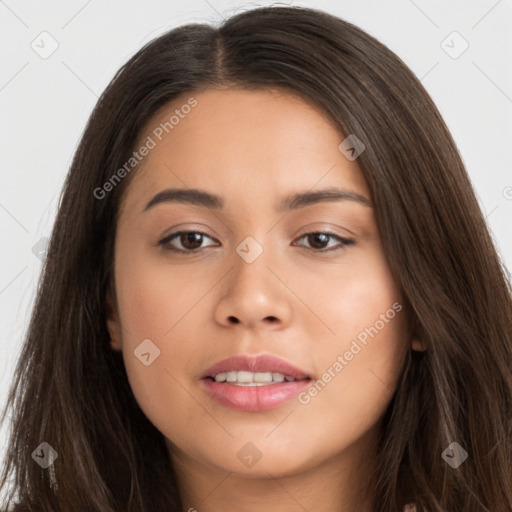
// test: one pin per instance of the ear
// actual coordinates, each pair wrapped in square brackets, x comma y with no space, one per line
[418,345]
[113,323]
[415,334]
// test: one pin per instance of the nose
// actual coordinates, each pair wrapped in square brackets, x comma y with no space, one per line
[255,295]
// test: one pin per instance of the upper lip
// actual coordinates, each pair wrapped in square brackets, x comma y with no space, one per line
[262,363]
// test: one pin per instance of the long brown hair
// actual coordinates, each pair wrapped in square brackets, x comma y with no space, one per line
[71,390]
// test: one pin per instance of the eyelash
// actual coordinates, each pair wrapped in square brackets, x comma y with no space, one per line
[165,242]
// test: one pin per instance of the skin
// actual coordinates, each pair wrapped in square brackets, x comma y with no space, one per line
[253,148]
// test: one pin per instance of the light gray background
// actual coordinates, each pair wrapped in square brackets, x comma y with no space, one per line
[45,103]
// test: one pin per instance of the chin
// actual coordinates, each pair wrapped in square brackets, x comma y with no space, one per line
[252,462]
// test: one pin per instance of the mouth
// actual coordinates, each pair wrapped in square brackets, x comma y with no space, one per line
[254,384]
[244,378]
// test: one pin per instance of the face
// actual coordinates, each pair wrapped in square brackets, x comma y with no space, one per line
[296,289]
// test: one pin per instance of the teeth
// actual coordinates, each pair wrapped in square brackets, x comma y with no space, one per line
[243,378]
[262,377]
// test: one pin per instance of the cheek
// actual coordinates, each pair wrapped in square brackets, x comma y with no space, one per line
[153,296]
[351,298]
[157,302]
[358,366]
[360,358]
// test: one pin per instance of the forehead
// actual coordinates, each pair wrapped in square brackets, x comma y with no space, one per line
[241,143]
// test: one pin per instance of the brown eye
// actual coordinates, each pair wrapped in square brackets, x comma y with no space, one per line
[189,241]
[318,241]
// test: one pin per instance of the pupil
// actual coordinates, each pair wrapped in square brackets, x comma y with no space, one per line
[189,237]
[316,236]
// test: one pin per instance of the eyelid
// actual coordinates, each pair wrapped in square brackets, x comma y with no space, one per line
[341,240]
[169,237]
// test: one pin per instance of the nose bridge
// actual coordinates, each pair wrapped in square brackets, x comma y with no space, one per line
[250,249]
[251,269]
[252,292]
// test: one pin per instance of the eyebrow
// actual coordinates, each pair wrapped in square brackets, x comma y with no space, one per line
[205,199]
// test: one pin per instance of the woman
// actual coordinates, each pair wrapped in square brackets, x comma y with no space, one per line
[342,340]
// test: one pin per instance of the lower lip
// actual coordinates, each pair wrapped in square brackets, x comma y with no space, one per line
[255,398]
